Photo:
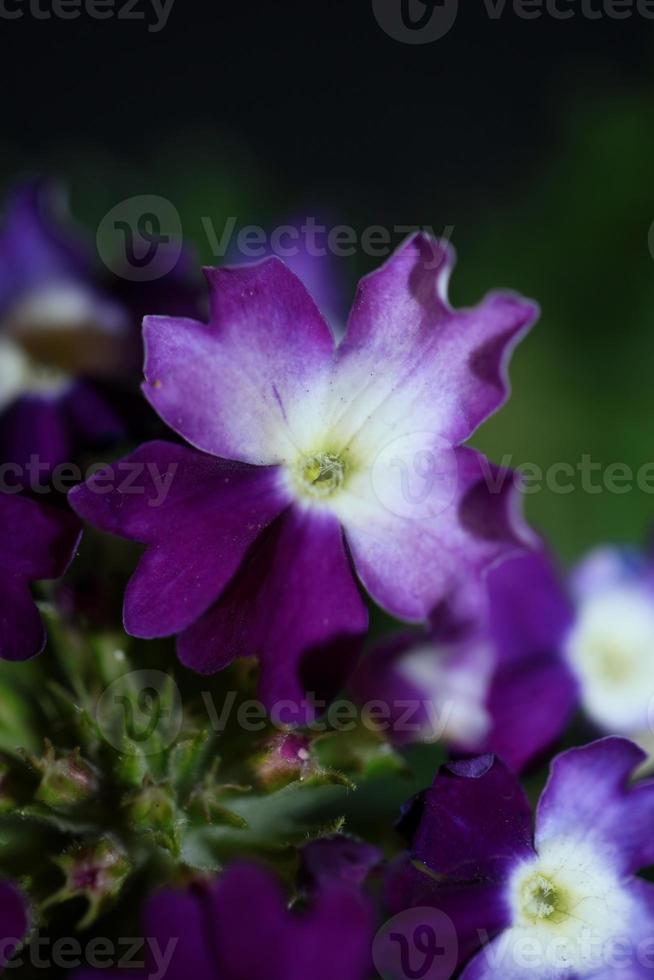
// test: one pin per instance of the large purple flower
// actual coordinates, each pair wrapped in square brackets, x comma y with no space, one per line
[562,902]
[488,675]
[302,446]
[14,921]
[241,929]
[36,542]
[57,329]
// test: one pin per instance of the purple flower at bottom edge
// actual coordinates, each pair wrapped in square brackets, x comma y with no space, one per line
[560,903]
[36,542]
[239,928]
[313,458]
[14,921]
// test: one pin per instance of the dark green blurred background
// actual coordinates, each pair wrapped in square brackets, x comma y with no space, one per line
[532,139]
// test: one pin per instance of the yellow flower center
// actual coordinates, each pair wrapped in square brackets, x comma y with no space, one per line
[320,474]
[543,901]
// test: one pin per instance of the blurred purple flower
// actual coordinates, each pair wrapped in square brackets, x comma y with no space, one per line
[36,542]
[338,858]
[512,676]
[239,928]
[304,446]
[562,902]
[306,253]
[488,675]
[69,334]
[57,329]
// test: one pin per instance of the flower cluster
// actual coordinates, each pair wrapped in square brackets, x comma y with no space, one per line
[305,482]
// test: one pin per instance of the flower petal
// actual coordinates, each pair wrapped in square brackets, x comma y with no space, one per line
[411,552]
[589,797]
[530,613]
[14,920]
[22,632]
[425,365]
[295,605]
[337,858]
[36,541]
[258,939]
[476,821]
[530,703]
[476,908]
[175,914]
[35,429]
[234,387]
[197,514]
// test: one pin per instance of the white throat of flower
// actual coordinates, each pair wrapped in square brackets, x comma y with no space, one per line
[53,333]
[19,375]
[568,906]
[454,691]
[611,651]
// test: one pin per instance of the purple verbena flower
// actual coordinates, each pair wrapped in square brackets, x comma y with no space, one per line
[36,542]
[488,675]
[14,921]
[302,244]
[239,928]
[609,648]
[558,902]
[302,467]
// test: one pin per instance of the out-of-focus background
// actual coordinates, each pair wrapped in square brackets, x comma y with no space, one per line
[529,140]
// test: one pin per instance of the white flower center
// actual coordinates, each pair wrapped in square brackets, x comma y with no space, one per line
[19,374]
[611,651]
[53,333]
[453,689]
[567,908]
